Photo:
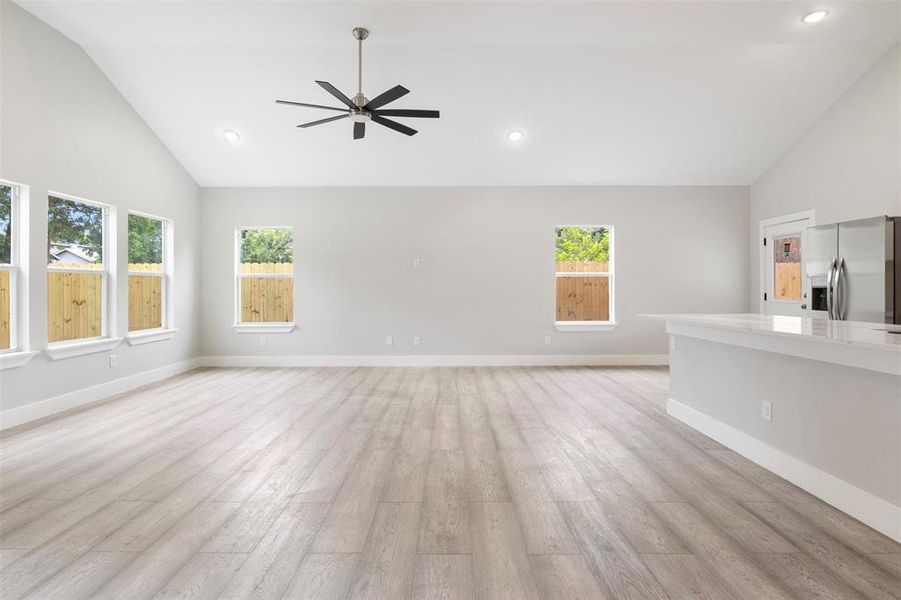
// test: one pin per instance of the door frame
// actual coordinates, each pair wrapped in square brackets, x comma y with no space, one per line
[810,216]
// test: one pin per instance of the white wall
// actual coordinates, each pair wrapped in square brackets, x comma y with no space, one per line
[846,166]
[486,285]
[64,127]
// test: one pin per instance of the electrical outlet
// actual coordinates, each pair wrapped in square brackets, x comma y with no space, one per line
[547,340]
[112,361]
[417,263]
[672,343]
[264,341]
[389,341]
[416,340]
[766,410]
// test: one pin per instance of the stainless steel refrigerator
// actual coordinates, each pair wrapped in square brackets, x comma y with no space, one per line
[854,270]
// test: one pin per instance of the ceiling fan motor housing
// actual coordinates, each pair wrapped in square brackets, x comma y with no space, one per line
[360,116]
[360,100]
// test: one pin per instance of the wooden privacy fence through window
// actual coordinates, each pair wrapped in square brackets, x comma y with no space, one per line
[5,300]
[583,298]
[788,281]
[75,301]
[145,297]
[267,299]
[74,306]
[581,266]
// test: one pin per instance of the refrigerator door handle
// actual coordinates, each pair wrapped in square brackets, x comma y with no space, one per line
[829,289]
[839,302]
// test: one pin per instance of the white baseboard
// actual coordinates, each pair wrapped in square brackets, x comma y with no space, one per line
[879,514]
[437,360]
[51,406]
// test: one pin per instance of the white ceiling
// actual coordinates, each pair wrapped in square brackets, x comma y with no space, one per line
[628,92]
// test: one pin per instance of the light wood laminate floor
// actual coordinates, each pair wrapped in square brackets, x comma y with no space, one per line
[399,483]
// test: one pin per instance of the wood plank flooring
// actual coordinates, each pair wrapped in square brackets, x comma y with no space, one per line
[412,483]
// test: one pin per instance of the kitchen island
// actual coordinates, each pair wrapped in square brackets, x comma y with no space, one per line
[817,402]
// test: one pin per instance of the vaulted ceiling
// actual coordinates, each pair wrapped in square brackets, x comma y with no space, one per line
[631,92]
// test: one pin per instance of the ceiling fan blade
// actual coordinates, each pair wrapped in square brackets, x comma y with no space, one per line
[386,97]
[359,130]
[337,94]
[393,125]
[321,121]
[310,105]
[408,112]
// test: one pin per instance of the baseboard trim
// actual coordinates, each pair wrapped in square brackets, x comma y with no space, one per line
[438,360]
[79,398]
[879,514]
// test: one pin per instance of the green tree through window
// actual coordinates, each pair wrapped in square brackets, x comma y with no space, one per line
[266,246]
[6,207]
[71,222]
[145,240]
[591,244]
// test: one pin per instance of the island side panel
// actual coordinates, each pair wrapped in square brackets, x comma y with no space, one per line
[842,420]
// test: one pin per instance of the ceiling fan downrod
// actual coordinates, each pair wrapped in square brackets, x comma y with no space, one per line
[360,34]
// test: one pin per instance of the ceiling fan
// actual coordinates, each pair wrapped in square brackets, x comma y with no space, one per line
[360,109]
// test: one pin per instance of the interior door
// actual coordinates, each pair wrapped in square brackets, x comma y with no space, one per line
[787,286]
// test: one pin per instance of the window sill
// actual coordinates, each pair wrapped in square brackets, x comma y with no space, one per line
[263,327]
[11,360]
[81,347]
[584,326]
[147,336]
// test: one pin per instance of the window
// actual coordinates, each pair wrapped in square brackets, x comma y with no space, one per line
[584,277]
[9,268]
[78,266]
[14,346]
[149,273]
[265,279]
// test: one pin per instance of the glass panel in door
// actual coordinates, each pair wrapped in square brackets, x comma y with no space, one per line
[787,267]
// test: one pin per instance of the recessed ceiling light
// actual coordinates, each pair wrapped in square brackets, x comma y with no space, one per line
[816,16]
[514,136]
[231,136]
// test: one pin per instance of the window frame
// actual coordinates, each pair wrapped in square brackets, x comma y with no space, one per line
[167,329]
[261,326]
[14,269]
[609,324]
[107,338]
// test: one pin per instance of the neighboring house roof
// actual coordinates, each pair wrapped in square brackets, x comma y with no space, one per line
[73,253]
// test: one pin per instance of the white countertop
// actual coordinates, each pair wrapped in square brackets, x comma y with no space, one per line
[849,333]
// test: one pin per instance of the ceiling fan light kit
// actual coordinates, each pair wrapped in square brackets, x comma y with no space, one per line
[360,109]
